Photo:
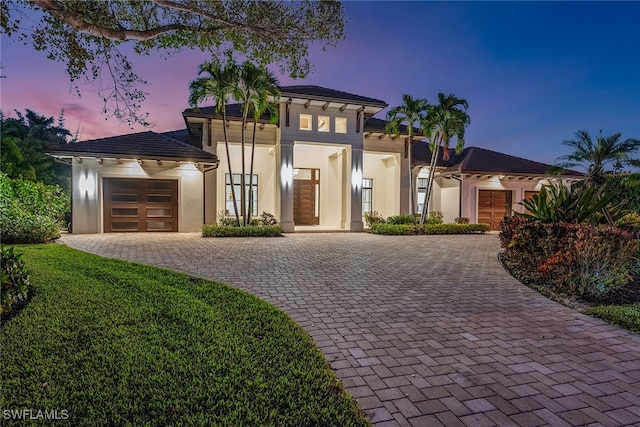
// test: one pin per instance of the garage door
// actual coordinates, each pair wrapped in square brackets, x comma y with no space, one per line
[140,205]
[493,206]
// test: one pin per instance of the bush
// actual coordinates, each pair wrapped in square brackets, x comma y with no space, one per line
[214,230]
[405,229]
[573,259]
[31,212]
[15,279]
[462,220]
[268,219]
[400,219]
[373,217]
[435,217]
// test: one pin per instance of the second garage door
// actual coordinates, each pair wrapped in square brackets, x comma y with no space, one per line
[140,205]
[493,206]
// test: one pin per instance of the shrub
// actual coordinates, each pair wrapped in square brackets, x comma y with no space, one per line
[574,259]
[268,219]
[228,221]
[406,229]
[373,217]
[214,230]
[435,217]
[400,219]
[31,212]
[462,220]
[15,279]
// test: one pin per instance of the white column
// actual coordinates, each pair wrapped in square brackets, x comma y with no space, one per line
[356,190]
[286,185]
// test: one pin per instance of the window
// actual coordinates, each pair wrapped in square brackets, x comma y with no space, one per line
[341,125]
[367,195]
[323,123]
[229,211]
[305,121]
[422,189]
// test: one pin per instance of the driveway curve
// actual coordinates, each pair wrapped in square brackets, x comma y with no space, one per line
[423,330]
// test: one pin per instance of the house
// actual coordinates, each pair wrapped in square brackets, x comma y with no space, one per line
[324,163]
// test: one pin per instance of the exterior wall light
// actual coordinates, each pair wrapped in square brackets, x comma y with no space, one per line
[87,184]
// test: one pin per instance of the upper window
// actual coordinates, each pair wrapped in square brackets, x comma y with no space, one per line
[341,125]
[323,123]
[305,121]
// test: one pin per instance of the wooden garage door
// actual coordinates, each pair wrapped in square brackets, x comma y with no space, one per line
[140,205]
[493,206]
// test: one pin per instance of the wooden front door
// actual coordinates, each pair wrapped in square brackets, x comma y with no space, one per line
[306,188]
[493,206]
[140,205]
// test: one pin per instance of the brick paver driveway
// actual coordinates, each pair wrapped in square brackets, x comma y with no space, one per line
[424,330]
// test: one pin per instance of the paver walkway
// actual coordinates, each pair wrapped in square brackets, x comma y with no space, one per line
[424,330]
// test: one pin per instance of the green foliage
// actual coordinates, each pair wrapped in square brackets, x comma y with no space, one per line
[627,188]
[581,204]
[267,218]
[462,220]
[572,259]
[408,229]
[31,212]
[214,230]
[400,219]
[373,217]
[625,316]
[119,343]
[87,36]
[435,217]
[15,278]
[25,140]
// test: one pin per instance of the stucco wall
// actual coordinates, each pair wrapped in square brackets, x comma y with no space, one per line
[87,203]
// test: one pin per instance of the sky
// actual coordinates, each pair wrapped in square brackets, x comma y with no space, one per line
[533,73]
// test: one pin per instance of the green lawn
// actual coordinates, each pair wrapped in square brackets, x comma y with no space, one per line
[118,343]
[625,316]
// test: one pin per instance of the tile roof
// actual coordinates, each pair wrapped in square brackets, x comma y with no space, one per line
[326,94]
[232,110]
[143,145]
[481,160]
[377,126]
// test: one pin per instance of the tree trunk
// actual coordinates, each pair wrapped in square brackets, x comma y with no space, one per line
[243,197]
[226,145]
[412,204]
[253,149]
[427,195]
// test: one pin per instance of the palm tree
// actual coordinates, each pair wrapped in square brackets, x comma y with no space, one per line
[412,112]
[218,87]
[444,121]
[607,155]
[256,88]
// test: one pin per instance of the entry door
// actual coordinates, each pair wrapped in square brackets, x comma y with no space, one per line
[140,205]
[306,197]
[493,206]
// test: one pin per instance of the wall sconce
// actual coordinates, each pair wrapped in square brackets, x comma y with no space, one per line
[189,170]
[286,175]
[356,178]
[87,184]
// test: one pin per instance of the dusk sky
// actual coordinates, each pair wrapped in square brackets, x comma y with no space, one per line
[533,72]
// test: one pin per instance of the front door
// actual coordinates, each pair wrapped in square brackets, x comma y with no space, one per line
[493,206]
[306,196]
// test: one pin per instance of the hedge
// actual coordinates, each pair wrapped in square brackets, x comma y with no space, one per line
[214,230]
[404,229]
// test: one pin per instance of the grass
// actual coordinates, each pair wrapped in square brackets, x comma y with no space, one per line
[118,343]
[625,316]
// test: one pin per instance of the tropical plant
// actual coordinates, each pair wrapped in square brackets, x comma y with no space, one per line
[580,204]
[444,121]
[373,217]
[606,156]
[412,112]
[217,86]
[256,89]
[15,278]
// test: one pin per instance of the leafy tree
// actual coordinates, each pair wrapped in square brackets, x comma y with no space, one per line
[607,155]
[217,86]
[412,112]
[87,36]
[444,121]
[24,142]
